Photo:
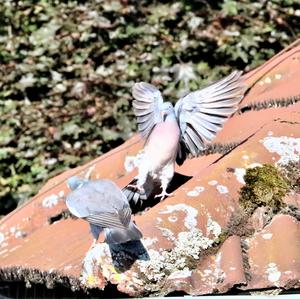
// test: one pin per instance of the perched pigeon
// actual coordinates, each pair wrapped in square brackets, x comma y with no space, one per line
[175,133]
[105,207]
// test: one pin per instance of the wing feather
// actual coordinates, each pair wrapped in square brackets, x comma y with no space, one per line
[202,113]
[117,219]
[216,119]
[105,220]
[147,107]
[125,215]
[195,138]
[223,111]
[190,143]
[217,104]
[145,126]
[203,123]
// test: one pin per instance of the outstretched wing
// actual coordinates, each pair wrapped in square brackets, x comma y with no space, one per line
[147,107]
[202,113]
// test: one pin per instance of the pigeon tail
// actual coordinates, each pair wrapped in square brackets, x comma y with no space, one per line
[116,235]
[134,196]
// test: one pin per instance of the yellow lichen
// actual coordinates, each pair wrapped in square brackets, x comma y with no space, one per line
[91,280]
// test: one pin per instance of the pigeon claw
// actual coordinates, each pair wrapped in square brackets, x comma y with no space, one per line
[163,195]
[136,187]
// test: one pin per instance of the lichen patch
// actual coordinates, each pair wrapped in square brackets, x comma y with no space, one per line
[182,259]
[213,227]
[190,220]
[268,80]
[267,236]
[288,148]
[219,273]
[273,273]
[181,274]
[61,194]
[192,193]
[239,174]
[91,260]
[212,182]
[50,201]
[149,241]
[20,234]
[195,192]
[222,189]
[172,218]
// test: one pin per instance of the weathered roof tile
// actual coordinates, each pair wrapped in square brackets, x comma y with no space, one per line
[274,255]
[200,241]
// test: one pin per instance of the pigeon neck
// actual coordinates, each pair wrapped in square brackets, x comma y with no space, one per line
[170,117]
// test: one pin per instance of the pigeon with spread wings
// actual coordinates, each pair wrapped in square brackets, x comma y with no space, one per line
[173,134]
[105,207]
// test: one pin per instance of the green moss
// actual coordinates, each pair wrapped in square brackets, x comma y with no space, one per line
[264,186]
[222,237]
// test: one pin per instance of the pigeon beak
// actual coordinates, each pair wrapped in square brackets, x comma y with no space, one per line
[163,115]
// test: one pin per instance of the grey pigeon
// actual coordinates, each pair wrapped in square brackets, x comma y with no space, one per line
[105,207]
[175,133]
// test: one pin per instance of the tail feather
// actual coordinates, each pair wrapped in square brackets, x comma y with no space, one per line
[135,197]
[116,236]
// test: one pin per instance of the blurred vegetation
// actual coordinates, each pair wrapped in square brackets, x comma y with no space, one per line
[67,68]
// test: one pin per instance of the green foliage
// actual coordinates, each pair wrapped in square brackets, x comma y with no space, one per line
[264,186]
[230,8]
[67,68]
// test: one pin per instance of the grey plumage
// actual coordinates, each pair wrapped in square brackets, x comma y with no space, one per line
[202,113]
[147,108]
[175,133]
[105,207]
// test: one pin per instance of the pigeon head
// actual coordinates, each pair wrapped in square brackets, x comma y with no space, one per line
[168,111]
[75,182]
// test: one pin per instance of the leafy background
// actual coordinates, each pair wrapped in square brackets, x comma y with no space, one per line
[67,68]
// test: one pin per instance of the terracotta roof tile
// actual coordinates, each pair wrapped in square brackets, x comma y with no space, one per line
[274,255]
[197,241]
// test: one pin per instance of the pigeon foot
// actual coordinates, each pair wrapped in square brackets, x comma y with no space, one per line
[136,187]
[163,195]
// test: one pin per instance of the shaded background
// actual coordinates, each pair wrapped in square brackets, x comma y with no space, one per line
[67,68]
